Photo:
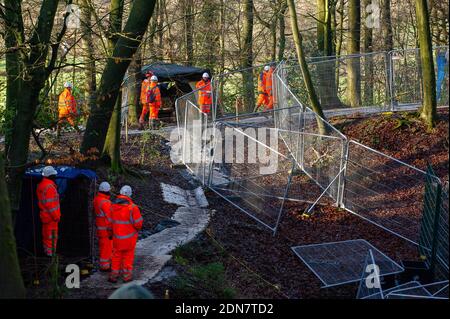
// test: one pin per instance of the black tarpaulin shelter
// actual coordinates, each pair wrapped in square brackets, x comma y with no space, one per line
[169,72]
[175,80]
[76,189]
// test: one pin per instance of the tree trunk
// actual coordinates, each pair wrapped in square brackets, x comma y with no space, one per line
[326,70]
[111,149]
[387,25]
[151,37]
[210,39]
[90,84]
[13,38]
[10,276]
[25,89]
[353,47]
[428,111]
[368,60]
[115,23]
[134,90]
[220,85]
[315,104]
[189,31]
[247,57]
[339,40]
[112,76]
[282,28]
[160,47]
[273,34]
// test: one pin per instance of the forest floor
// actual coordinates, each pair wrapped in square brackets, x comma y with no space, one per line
[238,258]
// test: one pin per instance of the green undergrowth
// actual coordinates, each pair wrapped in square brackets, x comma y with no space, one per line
[201,272]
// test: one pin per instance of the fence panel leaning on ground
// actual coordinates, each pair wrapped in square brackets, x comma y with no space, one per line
[314,161]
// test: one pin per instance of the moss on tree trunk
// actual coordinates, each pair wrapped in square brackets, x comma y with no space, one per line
[98,122]
[11,282]
[428,111]
[315,104]
[353,47]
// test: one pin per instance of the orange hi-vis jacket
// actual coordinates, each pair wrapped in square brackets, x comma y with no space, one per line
[268,81]
[48,198]
[262,83]
[269,89]
[66,103]
[144,89]
[126,222]
[50,214]
[204,95]
[102,209]
[154,95]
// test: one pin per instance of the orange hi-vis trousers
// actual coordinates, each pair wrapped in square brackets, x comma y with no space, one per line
[154,112]
[49,237]
[105,247]
[122,260]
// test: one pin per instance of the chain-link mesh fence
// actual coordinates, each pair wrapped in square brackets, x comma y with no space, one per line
[434,228]
[194,136]
[384,191]
[251,171]
[237,92]
[342,262]
[370,285]
[406,77]
[311,157]
[353,81]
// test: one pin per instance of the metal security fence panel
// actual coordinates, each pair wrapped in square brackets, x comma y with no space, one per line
[323,161]
[356,81]
[250,171]
[181,105]
[406,77]
[339,263]
[416,290]
[384,191]
[196,142]
[408,290]
[370,283]
[441,270]
[236,92]
[434,228]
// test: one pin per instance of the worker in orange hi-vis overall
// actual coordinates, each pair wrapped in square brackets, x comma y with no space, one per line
[153,101]
[262,94]
[143,98]
[204,93]
[102,209]
[67,107]
[126,222]
[50,213]
[268,87]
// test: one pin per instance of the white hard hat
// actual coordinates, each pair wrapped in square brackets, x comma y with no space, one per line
[104,187]
[49,171]
[205,75]
[126,191]
[154,78]
[266,68]
[67,85]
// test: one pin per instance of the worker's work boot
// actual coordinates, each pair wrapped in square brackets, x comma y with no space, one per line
[114,276]
[127,277]
[151,124]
